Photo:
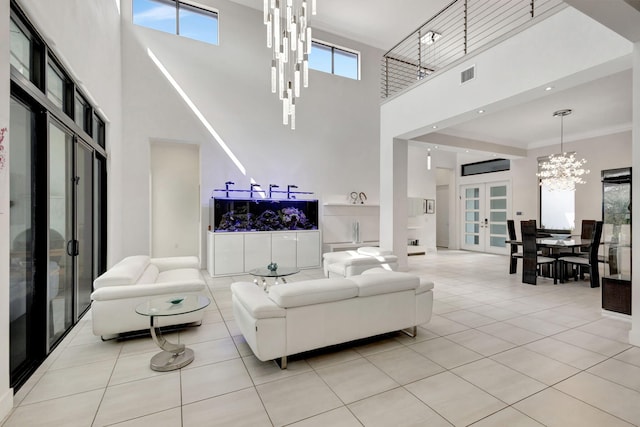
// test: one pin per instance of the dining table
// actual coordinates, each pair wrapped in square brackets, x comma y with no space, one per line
[554,247]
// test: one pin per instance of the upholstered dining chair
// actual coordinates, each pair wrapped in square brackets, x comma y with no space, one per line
[530,258]
[592,262]
[514,254]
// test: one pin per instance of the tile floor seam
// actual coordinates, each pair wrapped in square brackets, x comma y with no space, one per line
[429,406]
[589,404]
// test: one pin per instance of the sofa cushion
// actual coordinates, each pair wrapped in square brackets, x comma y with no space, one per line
[150,275]
[255,301]
[373,251]
[310,292]
[179,275]
[384,282]
[125,272]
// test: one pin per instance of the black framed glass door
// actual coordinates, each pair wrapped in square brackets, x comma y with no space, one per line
[61,242]
[23,318]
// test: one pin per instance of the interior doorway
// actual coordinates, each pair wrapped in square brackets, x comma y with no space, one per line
[443,211]
[175,199]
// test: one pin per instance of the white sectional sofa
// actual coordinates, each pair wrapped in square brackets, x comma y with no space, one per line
[137,279]
[301,316]
[354,262]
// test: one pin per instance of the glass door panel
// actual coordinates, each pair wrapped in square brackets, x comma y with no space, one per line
[497,225]
[84,221]
[471,232]
[484,213]
[60,290]
[21,285]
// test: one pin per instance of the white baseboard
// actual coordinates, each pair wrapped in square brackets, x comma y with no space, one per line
[634,337]
[6,404]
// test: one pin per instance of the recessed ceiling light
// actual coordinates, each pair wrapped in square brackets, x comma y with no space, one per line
[430,38]
[435,146]
[480,111]
[466,151]
[548,88]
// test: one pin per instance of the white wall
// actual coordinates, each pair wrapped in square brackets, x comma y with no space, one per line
[6,393]
[588,197]
[332,152]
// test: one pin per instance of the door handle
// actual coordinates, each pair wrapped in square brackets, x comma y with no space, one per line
[73,248]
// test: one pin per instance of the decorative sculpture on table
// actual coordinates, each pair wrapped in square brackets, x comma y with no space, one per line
[272,267]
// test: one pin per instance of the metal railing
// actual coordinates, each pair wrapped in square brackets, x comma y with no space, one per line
[460,28]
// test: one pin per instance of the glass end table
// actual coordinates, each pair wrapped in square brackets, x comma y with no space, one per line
[279,273]
[173,356]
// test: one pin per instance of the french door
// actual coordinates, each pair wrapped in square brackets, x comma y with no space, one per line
[484,216]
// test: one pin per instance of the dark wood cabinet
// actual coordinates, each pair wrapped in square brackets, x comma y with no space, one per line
[616,294]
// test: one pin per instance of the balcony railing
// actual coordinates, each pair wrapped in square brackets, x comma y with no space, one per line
[458,29]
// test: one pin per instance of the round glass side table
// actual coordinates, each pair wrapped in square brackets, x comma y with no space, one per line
[279,273]
[173,356]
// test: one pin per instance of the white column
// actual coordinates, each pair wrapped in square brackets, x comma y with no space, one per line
[634,334]
[393,197]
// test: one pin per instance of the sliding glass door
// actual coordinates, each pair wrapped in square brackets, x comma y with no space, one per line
[61,236]
[84,218]
[58,204]
[70,229]
[23,318]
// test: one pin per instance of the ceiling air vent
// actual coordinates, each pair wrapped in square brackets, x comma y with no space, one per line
[468,74]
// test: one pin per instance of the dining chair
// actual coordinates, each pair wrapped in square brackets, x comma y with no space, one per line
[586,235]
[531,261]
[514,254]
[590,263]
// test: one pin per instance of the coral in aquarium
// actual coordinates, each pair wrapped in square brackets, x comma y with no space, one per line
[294,219]
[232,221]
[284,219]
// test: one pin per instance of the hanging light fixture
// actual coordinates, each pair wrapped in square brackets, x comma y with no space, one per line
[562,171]
[429,159]
[289,35]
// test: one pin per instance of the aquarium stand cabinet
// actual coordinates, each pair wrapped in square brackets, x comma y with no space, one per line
[238,252]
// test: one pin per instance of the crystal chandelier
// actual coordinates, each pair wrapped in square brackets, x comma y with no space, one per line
[289,34]
[562,171]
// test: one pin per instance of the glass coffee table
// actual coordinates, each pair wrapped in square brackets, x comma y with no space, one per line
[279,273]
[173,356]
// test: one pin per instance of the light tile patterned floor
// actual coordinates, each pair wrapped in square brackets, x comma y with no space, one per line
[496,353]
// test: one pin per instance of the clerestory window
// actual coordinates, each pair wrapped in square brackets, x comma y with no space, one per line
[334,60]
[176,17]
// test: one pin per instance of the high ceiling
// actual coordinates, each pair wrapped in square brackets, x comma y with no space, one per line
[599,107]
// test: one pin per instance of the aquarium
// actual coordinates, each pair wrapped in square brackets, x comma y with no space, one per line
[228,215]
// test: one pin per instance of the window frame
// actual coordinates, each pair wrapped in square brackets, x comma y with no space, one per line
[188,6]
[335,48]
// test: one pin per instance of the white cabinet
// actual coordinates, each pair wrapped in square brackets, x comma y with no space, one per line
[228,253]
[308,249]
[257,250]
[283,248]
[234,253]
